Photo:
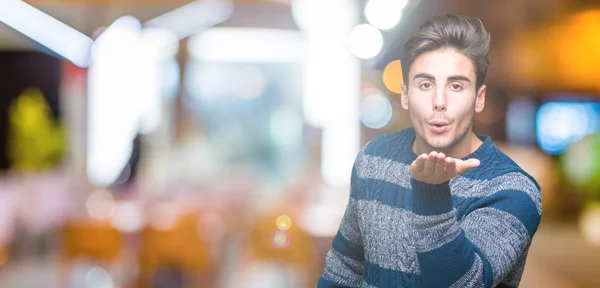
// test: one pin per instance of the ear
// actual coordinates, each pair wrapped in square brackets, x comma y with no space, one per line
[480,99]
[404,97]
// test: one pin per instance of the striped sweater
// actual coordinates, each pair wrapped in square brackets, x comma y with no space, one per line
[472,231]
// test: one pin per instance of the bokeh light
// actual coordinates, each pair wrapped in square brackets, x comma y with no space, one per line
[280,239]
[589,223]
[97,277]
[165,216]
[100,204]
[556,122]
[283,222]
[375,110]
[128,217]
[365,41]
[392,76]
[384,14]
[581,164]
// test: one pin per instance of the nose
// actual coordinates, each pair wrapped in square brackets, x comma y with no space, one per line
[439,101]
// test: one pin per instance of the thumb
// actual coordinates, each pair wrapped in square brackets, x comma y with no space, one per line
[466,165]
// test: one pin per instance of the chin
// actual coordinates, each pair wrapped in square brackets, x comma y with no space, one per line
[438,142]
[439,145]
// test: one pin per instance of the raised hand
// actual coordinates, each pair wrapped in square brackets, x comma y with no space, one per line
[436,168]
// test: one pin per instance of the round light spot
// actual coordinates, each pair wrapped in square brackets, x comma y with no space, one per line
[555,122]
[375,111]
[365,41]
[392,76]
[384,14]
[98,278]
[581,165]
[128,217]
[280,239]
[283,222]
[165,216]
[100,204]
[590,223]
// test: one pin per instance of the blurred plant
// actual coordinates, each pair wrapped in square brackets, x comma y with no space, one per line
[36,141]
[581,166]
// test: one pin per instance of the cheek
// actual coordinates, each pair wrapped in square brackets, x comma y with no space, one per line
[465,110]
[417,112]
[418,105]
[465,115]
[462,107]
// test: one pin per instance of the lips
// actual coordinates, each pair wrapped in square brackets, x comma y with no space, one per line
[438,126]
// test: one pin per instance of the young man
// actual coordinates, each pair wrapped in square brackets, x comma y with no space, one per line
[437,205]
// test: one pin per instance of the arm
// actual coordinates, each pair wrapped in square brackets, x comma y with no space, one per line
[483,248]
[344,262]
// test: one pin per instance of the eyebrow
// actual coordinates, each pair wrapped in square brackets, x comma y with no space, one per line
[423,75]
[459,78]
[450,78]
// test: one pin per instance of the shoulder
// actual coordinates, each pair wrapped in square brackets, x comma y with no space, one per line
[513,172]
[499,168]
[500,178]
[502,186]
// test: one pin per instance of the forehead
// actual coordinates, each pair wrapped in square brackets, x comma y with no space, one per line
[442,63]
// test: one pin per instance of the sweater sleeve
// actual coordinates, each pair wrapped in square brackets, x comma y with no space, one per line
[483,248]
[344,263]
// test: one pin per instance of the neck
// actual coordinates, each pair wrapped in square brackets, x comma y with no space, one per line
[463,147]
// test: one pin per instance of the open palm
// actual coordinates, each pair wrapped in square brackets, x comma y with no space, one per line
[436,168]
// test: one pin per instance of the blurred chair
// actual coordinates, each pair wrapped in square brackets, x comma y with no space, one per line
[3,255]
[176,255]
[286,255]
[94,241]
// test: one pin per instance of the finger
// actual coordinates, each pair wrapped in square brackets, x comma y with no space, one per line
[430,163]
[451,167]
[464,166]
[420,162]
[440,164]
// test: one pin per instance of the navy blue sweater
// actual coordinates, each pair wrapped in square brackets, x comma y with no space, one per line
[472,231]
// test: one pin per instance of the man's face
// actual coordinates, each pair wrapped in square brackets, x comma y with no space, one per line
[441,97]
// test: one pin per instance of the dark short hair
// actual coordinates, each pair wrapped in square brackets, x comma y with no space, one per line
[465,34]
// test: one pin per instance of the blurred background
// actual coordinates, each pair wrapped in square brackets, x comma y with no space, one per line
[155,143]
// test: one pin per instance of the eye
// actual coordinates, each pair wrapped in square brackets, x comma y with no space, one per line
[456,87]
[426,85]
